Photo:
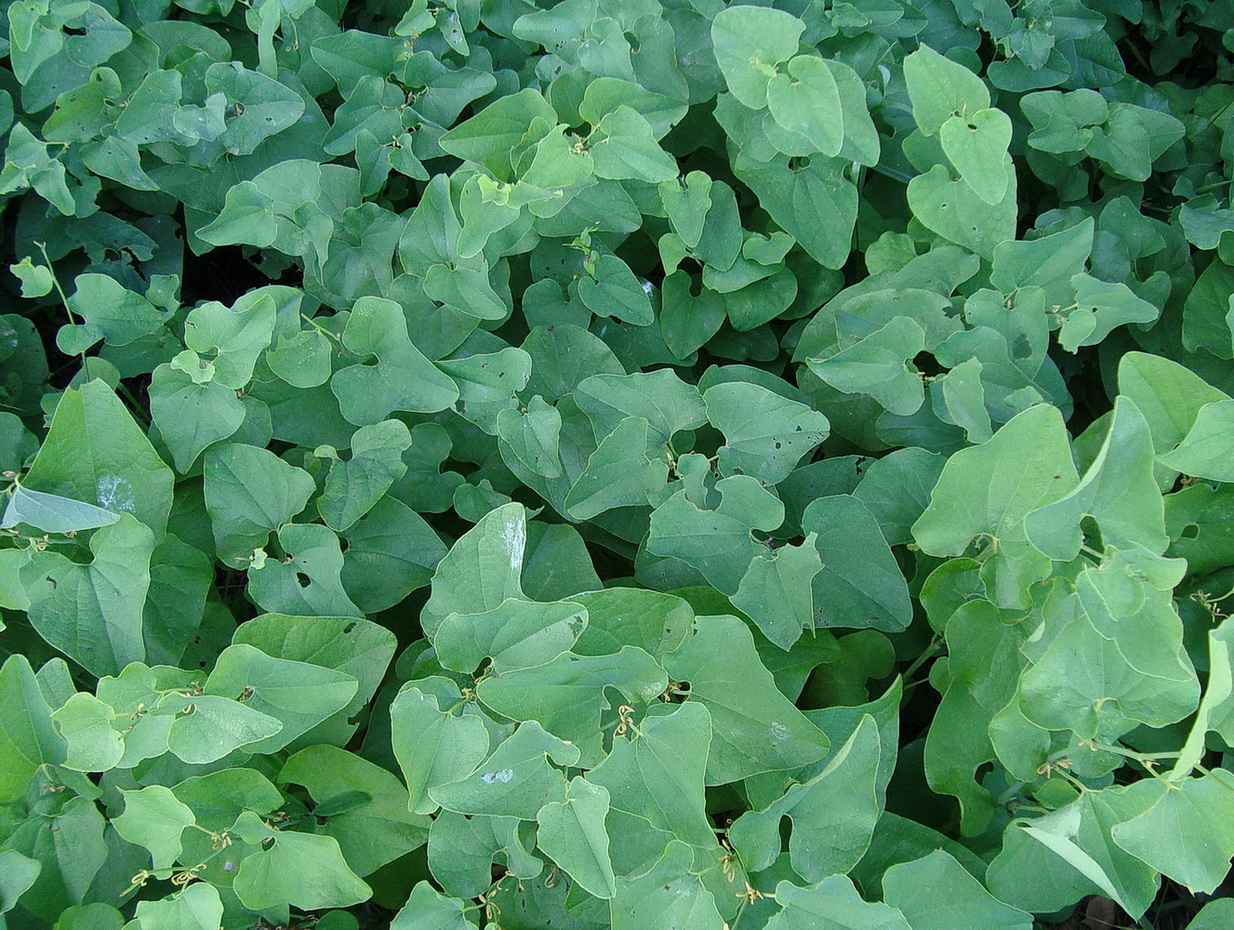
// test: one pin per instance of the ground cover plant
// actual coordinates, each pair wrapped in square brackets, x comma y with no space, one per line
[632,463]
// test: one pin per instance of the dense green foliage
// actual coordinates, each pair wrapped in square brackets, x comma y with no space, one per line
[632,463]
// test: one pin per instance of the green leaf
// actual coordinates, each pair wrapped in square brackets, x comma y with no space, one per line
[36,280]
[686,200]
[53,514]
[250,492]
[940,88]
[489,137]
[567,694]
[617,616]
[235,336]
[192,416]
[96,453]
[402,379]
[666,895]
[428,909]
[85,722]
[1203,451]
[154,818]
[19,874]
[832,904]
[936,892]
[208,727]
[27,738]
[374,826]
[433,746]
[716,542]
[622,472]
[814,202]
[880,364]
[391,551]
[766,435]
[776,591]
[572,833]
[1025,465]
[112,312]
[515,634]
[749,43]
[297,694]
[860,584]
[806,100]
[954,210]
[612,290]
[627,149]
[488,383]
[302,359]
[93,613]
[533,436]
[354,487]
[1101,307]
[977,146]
[309,582]
[1185,834]
[197,907]
[667,403]
[1118,491]
[481,570]
[302,869]
[657,774]
[754,727]
[839,803]
[516,780]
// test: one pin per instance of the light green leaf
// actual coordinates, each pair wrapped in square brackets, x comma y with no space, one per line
[355,486]
[626,470]
[954,210]
[766,435]
[1025,465]
[309,583]
[1186,835]
[250,492]
[776,591]
[515,634]
[305,870]
[428,909]
[197,907]
[716,542]
[481,570]
[154,818]
[96,453]
[402,379]
[516,780]
[567,695]
[754,727]
[433,746]
[52,513]
[27,737]
[365,807]
[840,804]
[977,146]
[86,724]
[572,833]
[667,895]
[749,43]
[806,100]
[192,416]
[832,904]
[297,694]
[1119,491]
[93,613]
[937,893]
[940,88]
